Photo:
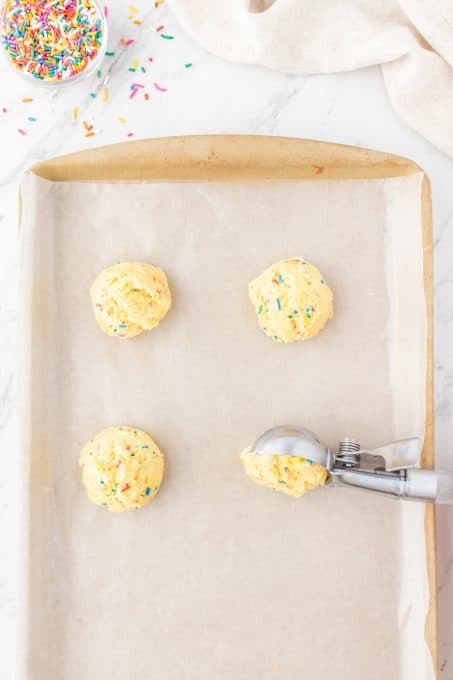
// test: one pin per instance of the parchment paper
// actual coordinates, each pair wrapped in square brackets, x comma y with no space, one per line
[220,579]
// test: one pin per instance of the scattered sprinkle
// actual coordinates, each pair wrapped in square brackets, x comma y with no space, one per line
[82,38]
[279,306]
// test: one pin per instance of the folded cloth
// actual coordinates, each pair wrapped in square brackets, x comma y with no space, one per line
[411,39]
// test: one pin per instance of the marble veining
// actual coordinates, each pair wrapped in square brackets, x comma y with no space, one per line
[209,97]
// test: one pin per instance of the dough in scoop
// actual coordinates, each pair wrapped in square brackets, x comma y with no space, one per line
[122,468]
[292,300]
[288,474]
[129,298]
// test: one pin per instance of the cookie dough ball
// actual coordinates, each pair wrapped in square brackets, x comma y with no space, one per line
[292,300]
[122,468]
[130,297]
[288,474]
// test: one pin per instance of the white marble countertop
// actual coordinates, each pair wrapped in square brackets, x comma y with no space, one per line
[210,96]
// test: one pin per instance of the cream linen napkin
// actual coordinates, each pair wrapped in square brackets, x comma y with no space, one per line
[411,39]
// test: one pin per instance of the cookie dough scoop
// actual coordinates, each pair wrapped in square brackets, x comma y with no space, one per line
[389,470]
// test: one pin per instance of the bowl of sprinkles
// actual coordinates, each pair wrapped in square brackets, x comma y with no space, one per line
[53,42]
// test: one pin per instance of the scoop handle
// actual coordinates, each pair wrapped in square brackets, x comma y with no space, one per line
[435,486]
[388,485]
[431,486]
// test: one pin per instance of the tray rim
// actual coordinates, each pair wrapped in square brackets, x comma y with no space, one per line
[258,158]
[229,157]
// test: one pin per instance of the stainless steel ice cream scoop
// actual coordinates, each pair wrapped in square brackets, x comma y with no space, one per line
[388,470]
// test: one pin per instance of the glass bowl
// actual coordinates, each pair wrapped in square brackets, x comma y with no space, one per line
[92,67]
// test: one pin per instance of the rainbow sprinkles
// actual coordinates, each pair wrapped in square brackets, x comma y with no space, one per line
[52,40]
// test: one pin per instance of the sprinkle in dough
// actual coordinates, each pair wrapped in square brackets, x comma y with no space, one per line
[122,468]
[129,298]
[292,300]
[288,474]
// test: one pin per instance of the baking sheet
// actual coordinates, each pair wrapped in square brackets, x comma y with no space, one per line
[219,578]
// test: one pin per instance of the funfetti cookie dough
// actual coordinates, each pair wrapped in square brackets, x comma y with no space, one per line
[129,298]
[288,474]
[292,300]
[122,468]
